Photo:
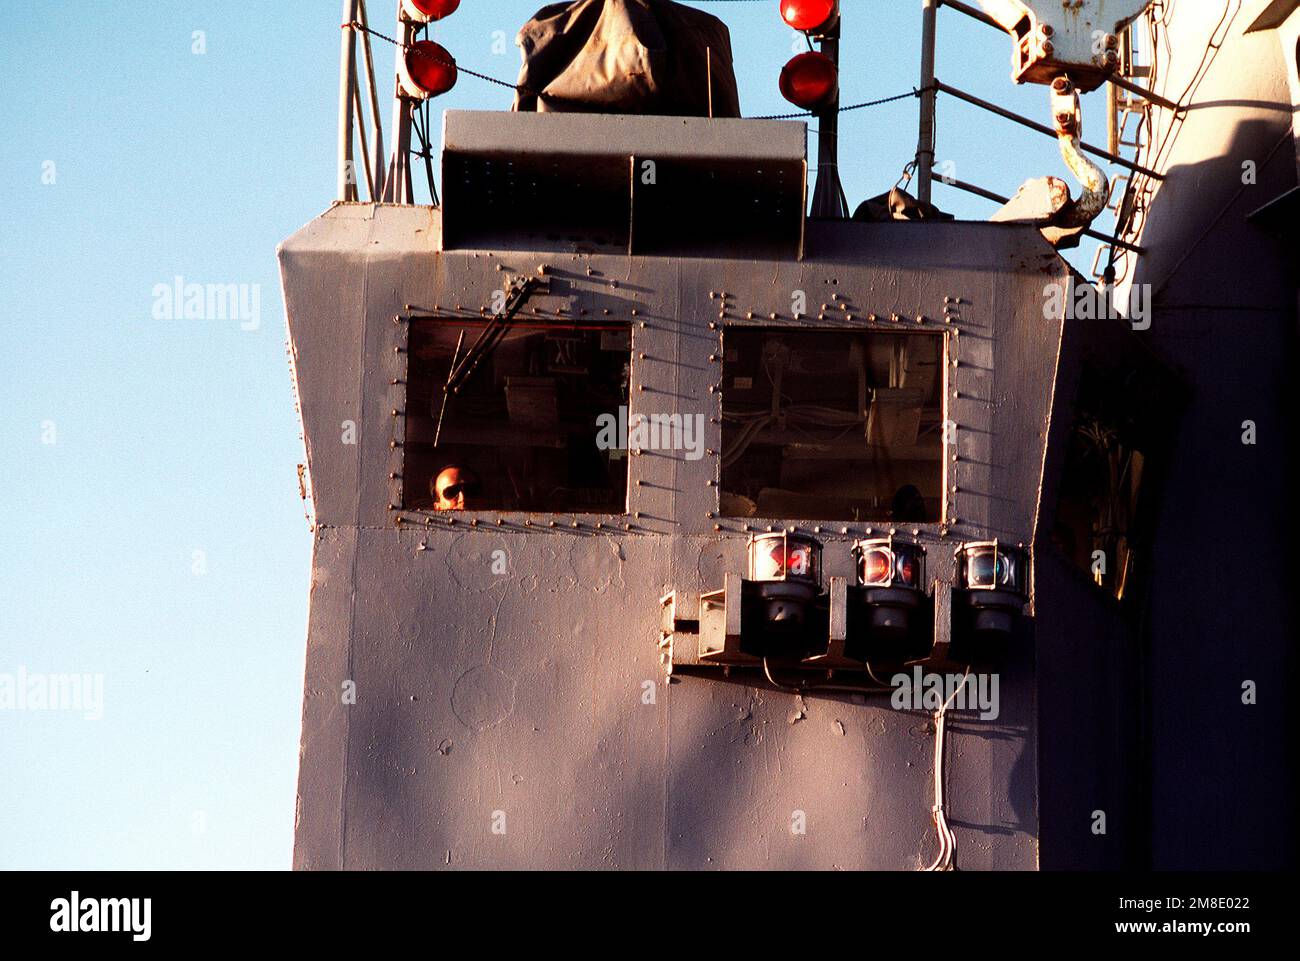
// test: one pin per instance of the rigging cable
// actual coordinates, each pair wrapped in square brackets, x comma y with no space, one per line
[428,55]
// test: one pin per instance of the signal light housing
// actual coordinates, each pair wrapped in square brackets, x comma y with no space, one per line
[810,80]
[787,569]
[808,15]
[882,562]
[990,566]
[995,581]
[423,11]
[427,70]
[892,576]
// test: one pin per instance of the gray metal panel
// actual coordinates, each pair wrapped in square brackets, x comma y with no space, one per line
[492,133]
[468,706]
[607,183]
[325,718]
[340,274]
[523,693]
[1089,715]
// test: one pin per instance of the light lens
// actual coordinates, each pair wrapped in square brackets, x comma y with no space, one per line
[882,562]
[431,67]
[809,80]
[423,11]
[909,570]
[979,570]
[792,561]
[876,566]
[778,559]
[807,14]
[993,568]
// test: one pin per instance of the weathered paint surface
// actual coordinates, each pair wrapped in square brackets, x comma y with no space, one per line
[486,700]
[518,701]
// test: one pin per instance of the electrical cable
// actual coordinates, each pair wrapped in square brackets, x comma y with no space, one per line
[773,681]
[872,674]
[811,688]
[947,839]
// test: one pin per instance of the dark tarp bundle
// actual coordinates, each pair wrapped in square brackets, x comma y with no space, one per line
[897,205]
[626,56]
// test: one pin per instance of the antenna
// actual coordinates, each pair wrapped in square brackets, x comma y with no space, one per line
[350,108]
[925,137]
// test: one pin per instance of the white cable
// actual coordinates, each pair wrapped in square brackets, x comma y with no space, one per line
[947,840]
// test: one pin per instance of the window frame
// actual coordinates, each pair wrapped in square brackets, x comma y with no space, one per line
[398,510]
[870,325]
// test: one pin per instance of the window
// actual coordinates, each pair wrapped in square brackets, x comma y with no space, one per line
[522,425]
[832,425]
[1114,459]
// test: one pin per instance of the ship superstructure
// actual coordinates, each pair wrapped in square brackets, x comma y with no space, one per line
[781,538]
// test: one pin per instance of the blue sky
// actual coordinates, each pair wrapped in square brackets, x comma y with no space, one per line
[152,528]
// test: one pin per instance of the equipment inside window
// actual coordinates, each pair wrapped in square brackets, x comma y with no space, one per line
[832,425]
[509,422]
[1104,516]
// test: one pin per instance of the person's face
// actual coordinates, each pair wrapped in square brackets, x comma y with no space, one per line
[451,488]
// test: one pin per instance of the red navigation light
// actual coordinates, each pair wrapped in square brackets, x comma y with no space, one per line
[884,562]
[792,561]
[785,569]
[779,557]
[877,566]
[428,70]
[422,11]
[807,14]
[809,80]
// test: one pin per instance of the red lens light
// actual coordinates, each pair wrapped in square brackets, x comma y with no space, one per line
[799,562]
[796,561]
[807,14]
[775,557]
[436,9]
[431,67]
[876,567]
[909,571]
[809,80]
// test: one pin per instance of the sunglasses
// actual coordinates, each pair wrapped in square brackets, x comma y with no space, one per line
[452,491]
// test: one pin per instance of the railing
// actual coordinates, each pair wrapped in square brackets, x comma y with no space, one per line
[388,179]
[1119,111]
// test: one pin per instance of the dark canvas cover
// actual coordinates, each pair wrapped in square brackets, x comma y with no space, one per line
[626,56]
